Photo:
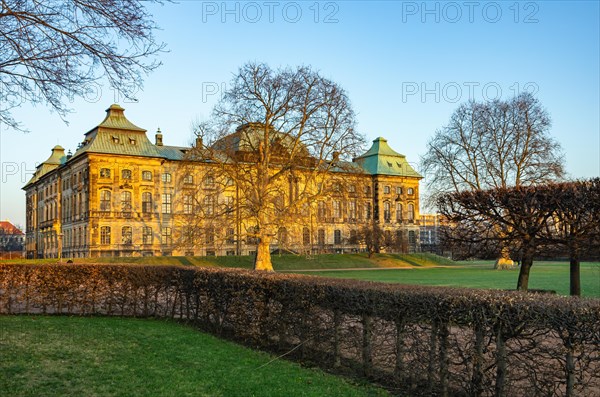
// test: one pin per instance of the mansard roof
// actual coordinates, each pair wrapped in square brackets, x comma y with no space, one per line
[117,135]
[56,159]
[381,159]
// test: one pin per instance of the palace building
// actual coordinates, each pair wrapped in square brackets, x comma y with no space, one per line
[120,194]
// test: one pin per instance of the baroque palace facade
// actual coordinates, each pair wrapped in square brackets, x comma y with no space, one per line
[120,194]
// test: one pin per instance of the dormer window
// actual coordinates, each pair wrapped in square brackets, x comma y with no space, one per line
[132,141]
[115,139]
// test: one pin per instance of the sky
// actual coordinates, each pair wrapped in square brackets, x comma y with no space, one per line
[405,65]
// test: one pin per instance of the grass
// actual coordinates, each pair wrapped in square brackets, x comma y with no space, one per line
[280,262]
[77,356]
[544,275]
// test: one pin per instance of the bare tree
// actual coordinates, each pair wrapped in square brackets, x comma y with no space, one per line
[279,135]
[489,145]
[497,144]
[51,50]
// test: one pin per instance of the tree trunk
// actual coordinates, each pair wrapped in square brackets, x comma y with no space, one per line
[575,273]
[526,263]
[263,254]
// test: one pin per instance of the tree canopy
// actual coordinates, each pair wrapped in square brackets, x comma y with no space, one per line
[495,144]
[556,217]
[276,135]
[53,50]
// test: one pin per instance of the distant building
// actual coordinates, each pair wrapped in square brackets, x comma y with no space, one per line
[12,240]
[120,194]
[430,226]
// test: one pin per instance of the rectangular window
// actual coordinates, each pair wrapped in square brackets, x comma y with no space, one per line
[104,235]
[126,174]
[398,190]
[166,177]
[146,202]
[166,237]
[368,210]
[104,173]
[352,210]
[166,203]
[386,189]
[209,205]
[337,209]
[147,235]
[105,200]
[126,235]
[188,179]
[188,204]
[321,210]
[146,175]
[230,236]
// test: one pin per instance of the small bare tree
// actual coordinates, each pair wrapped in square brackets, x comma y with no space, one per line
[53,49]
[279,135]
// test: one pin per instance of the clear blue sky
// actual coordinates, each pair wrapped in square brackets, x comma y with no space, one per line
[406,66]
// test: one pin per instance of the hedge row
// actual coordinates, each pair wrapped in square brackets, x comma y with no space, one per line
[412,339]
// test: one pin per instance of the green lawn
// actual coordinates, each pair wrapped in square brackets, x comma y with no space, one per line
[544,275]
[77,356]
[421,268]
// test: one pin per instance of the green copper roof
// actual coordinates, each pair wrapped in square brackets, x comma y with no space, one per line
[115,119]
[117,135]
[381,159]
[54,161]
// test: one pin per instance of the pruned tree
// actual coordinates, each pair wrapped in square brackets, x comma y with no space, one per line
[575,223]
[522,212]
[497,144]
[279,135]
[52,50]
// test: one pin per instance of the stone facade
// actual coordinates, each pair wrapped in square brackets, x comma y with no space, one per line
[120,194]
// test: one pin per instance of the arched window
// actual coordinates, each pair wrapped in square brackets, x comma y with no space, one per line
[337,236]
[387,211]
[411,212]
[398,212]
[306,236]
[126,201]
[104,200]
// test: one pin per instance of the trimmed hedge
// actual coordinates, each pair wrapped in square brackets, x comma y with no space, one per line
[412,339]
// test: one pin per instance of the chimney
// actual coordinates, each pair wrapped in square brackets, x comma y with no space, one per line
[69,155]
[199,142]
[159,141]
